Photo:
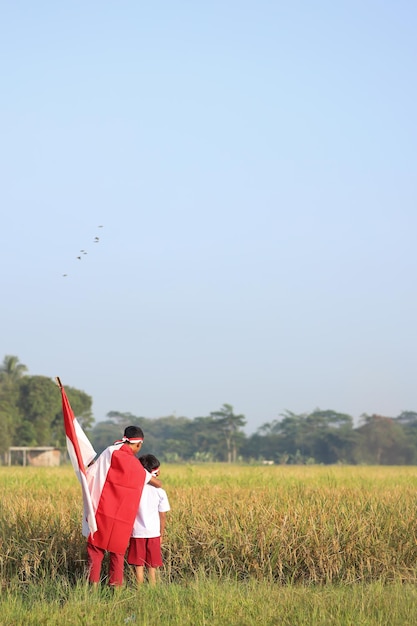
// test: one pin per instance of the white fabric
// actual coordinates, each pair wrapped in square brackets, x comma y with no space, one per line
[87,451]
[154,501]
[81,453]
[89,520]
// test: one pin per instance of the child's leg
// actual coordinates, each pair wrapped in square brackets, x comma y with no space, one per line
[95,559]
[116,569]
[136,556]
[139,574]
[153,558]
[152,575]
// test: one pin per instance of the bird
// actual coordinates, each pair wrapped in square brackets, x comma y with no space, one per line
[84,252]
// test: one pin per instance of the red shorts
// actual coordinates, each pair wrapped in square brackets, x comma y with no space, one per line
[145,552]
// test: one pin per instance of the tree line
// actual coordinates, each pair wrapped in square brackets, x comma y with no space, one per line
[31,409]
[31,415]
[324,437]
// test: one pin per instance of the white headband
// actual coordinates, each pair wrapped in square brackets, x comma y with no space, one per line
[129,440]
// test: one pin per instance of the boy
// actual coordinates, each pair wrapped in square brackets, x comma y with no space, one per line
[116,481]
[149,526]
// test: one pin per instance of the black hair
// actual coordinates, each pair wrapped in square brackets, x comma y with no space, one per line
[133,432]
[149,462]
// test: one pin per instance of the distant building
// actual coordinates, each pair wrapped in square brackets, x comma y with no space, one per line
[37,456]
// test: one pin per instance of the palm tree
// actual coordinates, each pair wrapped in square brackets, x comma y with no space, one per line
[11,372]
[12,369]
[229,425]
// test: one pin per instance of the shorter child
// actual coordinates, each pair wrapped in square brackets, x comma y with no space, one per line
[145,542]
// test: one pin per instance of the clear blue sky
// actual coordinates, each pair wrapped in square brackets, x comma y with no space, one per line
[253,164]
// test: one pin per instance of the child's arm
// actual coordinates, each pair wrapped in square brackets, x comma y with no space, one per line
[155,482]
[162,518]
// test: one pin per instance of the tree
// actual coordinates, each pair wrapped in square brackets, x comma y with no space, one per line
[11,369]
[39,403]
[229,425]
[81,404]
[123,419]
[262,446]
[11,372]
[294,435]
[205,439]
[408,422]
[325,436]
[40,410]
[383,442]
[9,413]
[163,435]
[332,435]
[31,410]
[103,434]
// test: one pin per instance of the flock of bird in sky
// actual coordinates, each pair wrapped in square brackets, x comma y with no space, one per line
[83,252]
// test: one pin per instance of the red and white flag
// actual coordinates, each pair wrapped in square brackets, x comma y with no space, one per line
[116,481]
[81,453]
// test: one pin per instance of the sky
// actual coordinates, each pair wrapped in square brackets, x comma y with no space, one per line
[249,169]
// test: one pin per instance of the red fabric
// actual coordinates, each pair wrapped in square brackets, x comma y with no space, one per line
[145,551]
[95,559]
[69,420]
[119,501]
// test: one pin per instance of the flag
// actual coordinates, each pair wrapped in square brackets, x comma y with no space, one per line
[81,453]
[116,481]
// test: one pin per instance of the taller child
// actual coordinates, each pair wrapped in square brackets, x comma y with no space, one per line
[116,482]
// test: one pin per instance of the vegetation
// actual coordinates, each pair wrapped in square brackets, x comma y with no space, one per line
[31,410]
[324,437]
[211,602]
[278,545]
[281,523]
[30,415]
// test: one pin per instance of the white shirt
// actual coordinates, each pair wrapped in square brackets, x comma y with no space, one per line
[154,501]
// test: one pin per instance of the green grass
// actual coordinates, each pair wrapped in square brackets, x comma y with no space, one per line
[212,602]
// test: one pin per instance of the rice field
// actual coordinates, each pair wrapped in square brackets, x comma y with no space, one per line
[276,532]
